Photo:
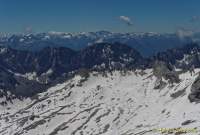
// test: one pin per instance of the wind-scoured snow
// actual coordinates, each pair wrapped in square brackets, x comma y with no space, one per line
[115,103]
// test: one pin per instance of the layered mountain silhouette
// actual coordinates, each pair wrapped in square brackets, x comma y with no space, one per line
[97,86]
[147,44]
[36,70]
[184,57]
[25,73]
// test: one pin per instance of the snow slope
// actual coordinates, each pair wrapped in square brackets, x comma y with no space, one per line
[108,104]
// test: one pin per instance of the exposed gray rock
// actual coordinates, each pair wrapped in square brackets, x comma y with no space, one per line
[187,122]
[160,84]
[178,94]
[195,91]
[161,69]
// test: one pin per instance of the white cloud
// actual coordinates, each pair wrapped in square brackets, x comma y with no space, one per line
[195,19]
[188,34]
[28,30]
[126,19]
[184,33]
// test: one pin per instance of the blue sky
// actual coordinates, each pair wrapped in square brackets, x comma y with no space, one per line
[93,15]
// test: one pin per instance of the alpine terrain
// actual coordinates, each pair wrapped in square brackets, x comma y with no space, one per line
[102,89]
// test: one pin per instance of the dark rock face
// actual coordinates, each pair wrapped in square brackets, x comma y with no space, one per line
[39,62]
[57,59]
[7,81]
[51,65]
[184,57]
[109,56]
[12,61]
[28,88]
[195,91]
[18,86]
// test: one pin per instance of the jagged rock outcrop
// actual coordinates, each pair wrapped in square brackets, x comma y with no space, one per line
[109,56]
[52,65]
[184,57]
[36,71]
[12,86]
[166,71]
[195,91]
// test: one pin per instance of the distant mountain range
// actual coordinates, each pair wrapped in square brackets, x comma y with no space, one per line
[31,63]
[48,88]
[147,44]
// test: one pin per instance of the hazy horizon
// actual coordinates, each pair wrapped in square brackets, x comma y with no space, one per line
[89,16]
